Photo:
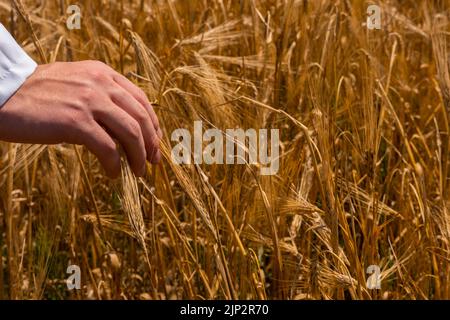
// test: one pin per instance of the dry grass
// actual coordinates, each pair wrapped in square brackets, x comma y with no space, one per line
[364,171]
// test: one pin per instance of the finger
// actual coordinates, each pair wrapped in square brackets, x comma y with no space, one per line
[128,103]
[104,148]
[127,131]
[140,96]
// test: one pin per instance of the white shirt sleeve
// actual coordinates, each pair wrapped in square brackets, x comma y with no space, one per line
[15,66]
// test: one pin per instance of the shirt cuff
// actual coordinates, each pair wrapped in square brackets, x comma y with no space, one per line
[15,66]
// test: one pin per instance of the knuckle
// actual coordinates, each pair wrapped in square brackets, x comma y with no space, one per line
[98,75]
[155,121]
[134,130]
[81,120]
[96,69]
[142,116]
[156,124]
[109,150]
[155,118]
[77,108]
[155,141]
[87,94]
[96,63]
[78,115]
[141,94]
[86,130]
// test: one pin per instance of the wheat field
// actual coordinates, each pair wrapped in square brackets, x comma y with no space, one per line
[364,163]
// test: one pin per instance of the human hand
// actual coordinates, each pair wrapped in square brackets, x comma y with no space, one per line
[85,103]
